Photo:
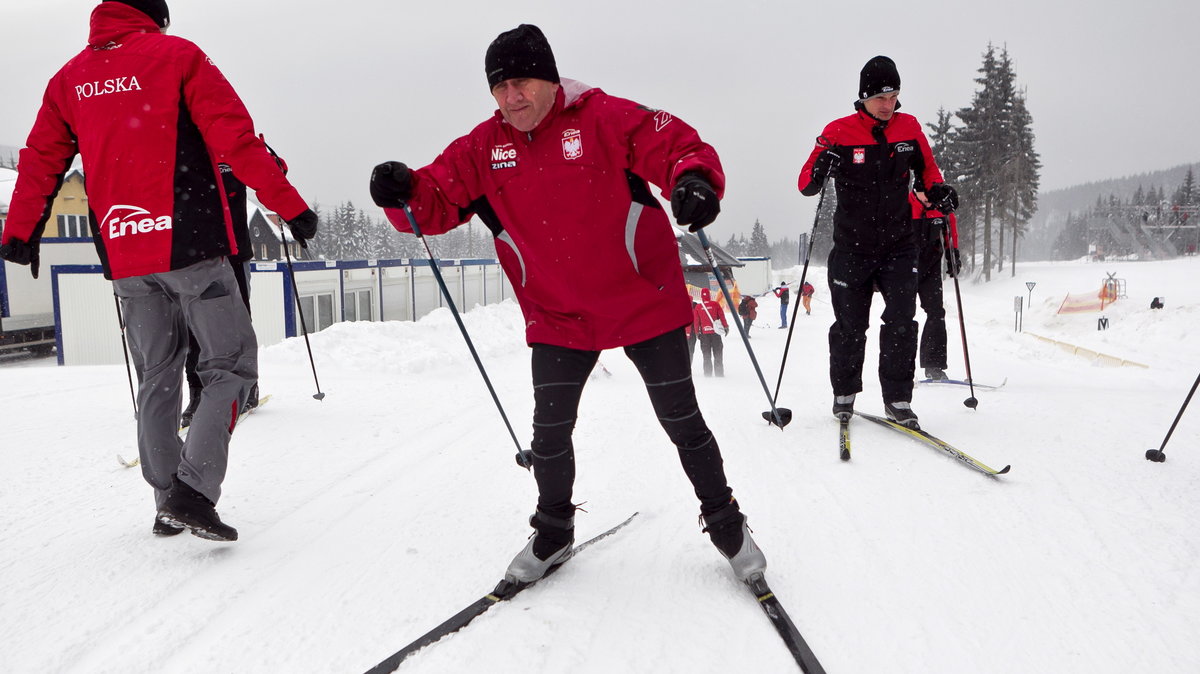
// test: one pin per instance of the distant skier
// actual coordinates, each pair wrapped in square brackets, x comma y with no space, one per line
[784,295]
[559,175]
[151,116]
[748,310]
[806,294]
[1156,303]
[874,155]
[708,315]
[932,229]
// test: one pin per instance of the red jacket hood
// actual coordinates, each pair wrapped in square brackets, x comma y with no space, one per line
[112,21]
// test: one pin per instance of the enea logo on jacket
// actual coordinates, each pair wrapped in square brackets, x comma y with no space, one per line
[123,220]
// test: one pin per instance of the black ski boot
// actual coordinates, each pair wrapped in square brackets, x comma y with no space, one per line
[901,413]
[843,407]
[186,507]
[728,531]
[185,419]
[550,545]
[162,529]
[935,374]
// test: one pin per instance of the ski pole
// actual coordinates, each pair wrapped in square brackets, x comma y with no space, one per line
[780,416]
[125,350]
[524,457]
[971,402]
[303,328]
[796,311]
[787,345]
[1157,455]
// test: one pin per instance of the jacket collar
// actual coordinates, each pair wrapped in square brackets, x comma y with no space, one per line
[113,21]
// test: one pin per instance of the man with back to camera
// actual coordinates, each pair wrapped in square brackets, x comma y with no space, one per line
[559,175]
[875,155]
[152,117]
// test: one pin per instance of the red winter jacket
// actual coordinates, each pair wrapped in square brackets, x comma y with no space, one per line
[707,314]
[152,117]
[873,179]
[588,249]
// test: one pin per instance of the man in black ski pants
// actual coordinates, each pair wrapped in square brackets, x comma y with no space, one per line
[561,175]
[875,155]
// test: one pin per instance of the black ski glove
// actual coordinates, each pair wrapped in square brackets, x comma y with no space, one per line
[391,184]
[21,252]
[943,197]
[825,165]
[953,262]
[694,202]
[304,226]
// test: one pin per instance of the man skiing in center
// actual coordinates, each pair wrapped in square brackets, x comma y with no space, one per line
[875,155]
[560,174]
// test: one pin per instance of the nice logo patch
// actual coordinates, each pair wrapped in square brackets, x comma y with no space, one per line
[504,156]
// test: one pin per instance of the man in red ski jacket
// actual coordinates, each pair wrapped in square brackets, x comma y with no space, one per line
[560,174]
[875,154]
[712,348]
[937,239]
[152,117]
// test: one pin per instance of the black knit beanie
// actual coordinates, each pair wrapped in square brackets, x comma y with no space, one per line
[155,9]
[879,76]
[520,52]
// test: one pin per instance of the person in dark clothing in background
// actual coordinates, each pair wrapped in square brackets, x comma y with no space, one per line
[937,239]
[874,156]
[784,295]
[748,310]
[235,195]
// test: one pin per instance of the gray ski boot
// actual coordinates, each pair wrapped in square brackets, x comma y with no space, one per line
[730,534]
[901,413]
[550,545]
[843,407]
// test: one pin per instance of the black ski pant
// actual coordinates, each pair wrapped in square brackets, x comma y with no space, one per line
[241,272]
[559,374]
[929,291]
[852,282]
[712,349]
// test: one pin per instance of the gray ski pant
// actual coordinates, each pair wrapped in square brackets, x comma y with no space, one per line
[159,309]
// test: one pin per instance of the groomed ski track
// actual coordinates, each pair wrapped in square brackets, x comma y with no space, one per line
[369,516]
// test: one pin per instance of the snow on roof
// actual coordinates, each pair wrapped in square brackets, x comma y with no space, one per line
[253,205]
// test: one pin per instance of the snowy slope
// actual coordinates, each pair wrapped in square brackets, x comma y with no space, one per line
[371,516]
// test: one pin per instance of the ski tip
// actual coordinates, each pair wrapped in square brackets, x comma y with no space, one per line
[1003,470]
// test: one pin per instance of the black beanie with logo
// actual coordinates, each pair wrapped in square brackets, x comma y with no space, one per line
[155,9]
[520,52]
[878,76]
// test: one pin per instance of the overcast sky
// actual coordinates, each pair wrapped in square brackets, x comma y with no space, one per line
[340,86]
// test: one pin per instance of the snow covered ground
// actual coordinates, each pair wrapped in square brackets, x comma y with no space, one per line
[370,517]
